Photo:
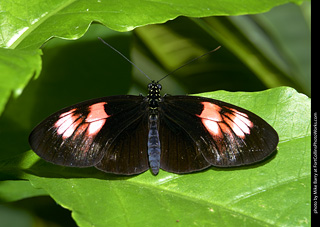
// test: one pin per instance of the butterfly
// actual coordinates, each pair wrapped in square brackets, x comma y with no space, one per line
[129,134]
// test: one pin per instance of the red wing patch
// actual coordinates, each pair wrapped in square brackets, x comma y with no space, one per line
[74,123]
[97,118]
[97,112]
[222,120]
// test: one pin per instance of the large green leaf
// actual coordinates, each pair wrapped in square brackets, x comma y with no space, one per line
[31,23]
[275,192]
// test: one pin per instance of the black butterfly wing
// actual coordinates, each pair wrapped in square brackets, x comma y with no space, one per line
[128,154]
[211,132]
[83,134]
[180,152]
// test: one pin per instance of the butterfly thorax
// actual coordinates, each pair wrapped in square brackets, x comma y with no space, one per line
[154,96]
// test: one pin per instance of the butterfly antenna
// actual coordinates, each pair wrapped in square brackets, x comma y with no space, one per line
[104,42]
[192,60]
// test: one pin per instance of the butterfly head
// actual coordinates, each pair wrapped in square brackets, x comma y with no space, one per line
[154,86]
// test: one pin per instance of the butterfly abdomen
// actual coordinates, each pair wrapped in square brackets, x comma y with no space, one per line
[154,149]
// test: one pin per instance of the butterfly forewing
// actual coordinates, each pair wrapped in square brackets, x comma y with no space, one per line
[81,134]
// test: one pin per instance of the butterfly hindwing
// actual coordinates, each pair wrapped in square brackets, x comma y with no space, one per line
[179,152]
[81,134]
[224,134]
[127,154]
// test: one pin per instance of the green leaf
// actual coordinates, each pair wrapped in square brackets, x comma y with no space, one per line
[17,67]
[70,19]
[275,192]
[13,190]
